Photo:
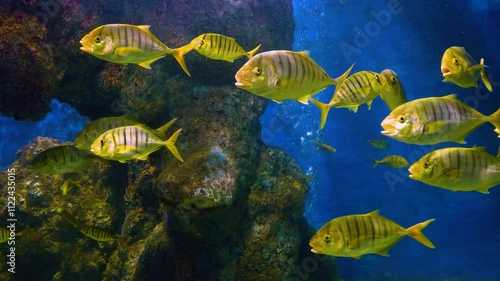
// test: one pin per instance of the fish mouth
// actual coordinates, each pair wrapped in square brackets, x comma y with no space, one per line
[446,71]
[386,133]
[314,251]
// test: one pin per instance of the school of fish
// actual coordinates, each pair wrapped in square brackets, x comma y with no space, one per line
[281,75]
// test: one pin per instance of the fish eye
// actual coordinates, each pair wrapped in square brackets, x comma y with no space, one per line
[393,79]
[401,119]
[98,39]
[257,71]
[376,77]
[327,238]
[102,142]
[426,165]
[455,61]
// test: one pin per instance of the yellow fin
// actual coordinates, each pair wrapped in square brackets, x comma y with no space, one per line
[353,108]
[161,131]
[415,232]
[304,100]
[304,54]
[339,80]
[143,157]
[179,56]
[170,144]
[325,108]
[369,104]
[376,162]
[126,51]
[373,213]
[451,97]
[484,78]
[252,52]
[483,190]
[455,173]
[146,64]
[144,28]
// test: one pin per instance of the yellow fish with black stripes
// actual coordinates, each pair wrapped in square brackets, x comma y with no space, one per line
[353,91]
[218,47]
[459,68]
[125,43]
[357,235]
[458,169]
[283,75]
[132,143]
[98,234]
[63,159]
[393,161]
[393,93]
[380,143]
[434,120]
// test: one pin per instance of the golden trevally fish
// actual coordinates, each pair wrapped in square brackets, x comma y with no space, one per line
[94,129]
[393,93]
[125,43]
[283,75]
[218,47]
[61,160]
[353,91]
[434,120]
[357,235]
[98,234]
[394,161]
[458,67]
[380,143]
[132,143]
[326,147]
[458,169]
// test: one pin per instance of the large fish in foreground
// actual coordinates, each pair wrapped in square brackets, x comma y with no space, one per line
[132,143]
[458,169]
[351,92]
[458,67]
[218,47]
[357,235]
[435,120]
[125,43]
[283,75]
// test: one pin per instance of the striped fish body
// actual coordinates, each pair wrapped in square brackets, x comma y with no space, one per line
[131,143]
[393,93]
[220,47]
[4,235]
[359,88]
[125,43]
[380,143]
[458,169]
[394,161]
[435,120]
[61,160]
[458,67]
[358,235]
[283,75]
[97,127]
[97,234]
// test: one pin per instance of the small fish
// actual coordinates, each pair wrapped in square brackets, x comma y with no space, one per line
[98,234]
[91,203]
[61,160]
[219,47]
[4,234]
[359,88]
[458,67]
[358,235]
[458,169]
[434,120]
[132,143]
[326,147]
[394,161]
[283,75]
[68,185]
[94,129]
[380,143]
[125,43]
[393,93]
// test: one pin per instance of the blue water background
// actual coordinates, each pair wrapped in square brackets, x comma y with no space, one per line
[411,43]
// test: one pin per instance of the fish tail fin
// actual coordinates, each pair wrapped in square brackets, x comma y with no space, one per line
[170,144]
[339,80]
[325,108]
[161,131]
[376,163]
[252,52]
[415,232]
[122,240]
[485,79]
[495,120]
[179,56]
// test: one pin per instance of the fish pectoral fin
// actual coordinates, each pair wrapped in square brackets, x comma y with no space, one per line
[435,127]
[127,51]
[146,64]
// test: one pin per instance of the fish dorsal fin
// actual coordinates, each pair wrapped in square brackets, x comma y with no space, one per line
[161,131]
[373,213]
[452,97]
[304,54]
[478,148]
[144,28]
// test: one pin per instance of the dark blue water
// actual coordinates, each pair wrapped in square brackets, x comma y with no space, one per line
[409,40]
[408,37]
